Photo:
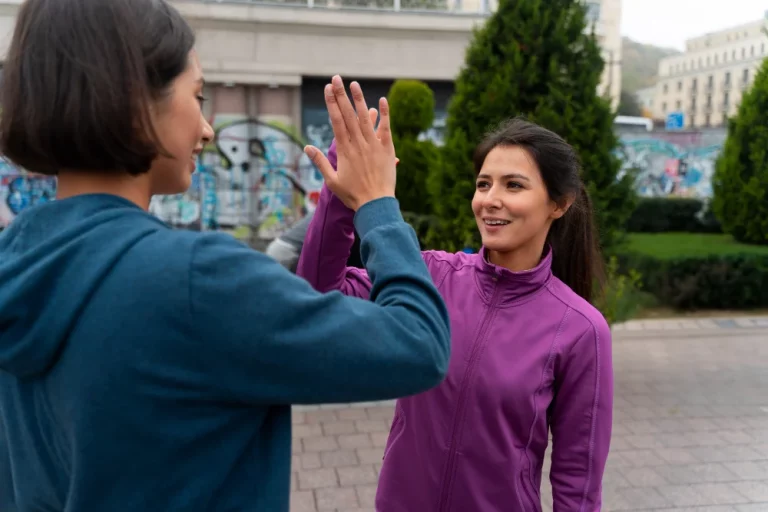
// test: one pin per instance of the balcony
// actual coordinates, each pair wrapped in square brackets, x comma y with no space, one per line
[434,6]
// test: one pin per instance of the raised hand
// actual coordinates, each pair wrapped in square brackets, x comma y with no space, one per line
[366,159]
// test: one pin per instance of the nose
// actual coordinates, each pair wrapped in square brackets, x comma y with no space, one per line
[491,200]
[208,134]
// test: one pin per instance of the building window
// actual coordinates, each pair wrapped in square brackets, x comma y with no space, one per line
[693,119]
[752,51]
[664,107]
[709,100]
[680,86]
[707,121]
[678,104]
[728,78]
[745,78]
[726,100]
[743,53]
[593,11]
[666,88]
[694,84]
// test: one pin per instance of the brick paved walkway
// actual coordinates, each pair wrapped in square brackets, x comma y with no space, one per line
[690,427]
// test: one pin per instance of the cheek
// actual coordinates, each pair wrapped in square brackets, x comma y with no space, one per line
[528,205]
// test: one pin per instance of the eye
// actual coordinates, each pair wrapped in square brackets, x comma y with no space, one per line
[201,99]
[514,184]
[482,184]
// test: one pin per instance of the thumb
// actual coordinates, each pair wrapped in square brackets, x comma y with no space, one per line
[322,164]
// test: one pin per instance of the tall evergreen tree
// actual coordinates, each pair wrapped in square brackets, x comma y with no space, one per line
[538,59]
[740,184]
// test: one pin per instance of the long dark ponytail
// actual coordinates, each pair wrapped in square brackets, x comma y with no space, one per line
[576,257]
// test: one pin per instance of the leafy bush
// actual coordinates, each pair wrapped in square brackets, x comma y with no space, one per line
[660,215]
[622,297]
[740,183]
[412,104]
[730,281]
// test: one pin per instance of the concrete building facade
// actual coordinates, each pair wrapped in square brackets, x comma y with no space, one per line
[707,82]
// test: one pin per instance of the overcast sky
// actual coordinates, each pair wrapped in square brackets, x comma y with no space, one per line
[670,22]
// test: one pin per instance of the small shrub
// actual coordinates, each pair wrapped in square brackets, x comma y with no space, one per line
[729,281]
[622,297]
[661,215]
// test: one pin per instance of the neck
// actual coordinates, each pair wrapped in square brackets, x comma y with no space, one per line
[518,260]
[133,188]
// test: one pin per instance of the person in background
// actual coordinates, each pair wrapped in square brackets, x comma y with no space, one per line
[151,369]
[530,355]
[286,248]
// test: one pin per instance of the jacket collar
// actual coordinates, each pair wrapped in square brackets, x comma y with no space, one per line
[501,286]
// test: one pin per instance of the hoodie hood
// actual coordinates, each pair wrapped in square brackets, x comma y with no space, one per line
[52,258]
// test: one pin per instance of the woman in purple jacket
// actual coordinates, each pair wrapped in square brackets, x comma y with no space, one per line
[530,355]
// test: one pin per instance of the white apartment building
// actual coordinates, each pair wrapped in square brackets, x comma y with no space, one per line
[707,82]
[264,58]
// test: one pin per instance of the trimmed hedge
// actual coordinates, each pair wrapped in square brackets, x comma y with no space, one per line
[704,282]
[661,215]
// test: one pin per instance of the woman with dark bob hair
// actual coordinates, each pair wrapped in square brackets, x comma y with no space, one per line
[145,368]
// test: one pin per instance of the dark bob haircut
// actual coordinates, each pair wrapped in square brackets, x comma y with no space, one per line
[79,81]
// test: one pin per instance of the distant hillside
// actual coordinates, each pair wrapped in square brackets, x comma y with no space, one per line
[640,64]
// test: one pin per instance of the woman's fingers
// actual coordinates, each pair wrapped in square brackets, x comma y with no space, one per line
[374,115]
[323,165]
[366,127]
[347,112]
[384,133]
[337,119]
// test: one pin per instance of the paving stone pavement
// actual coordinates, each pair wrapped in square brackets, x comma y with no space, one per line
[690,427]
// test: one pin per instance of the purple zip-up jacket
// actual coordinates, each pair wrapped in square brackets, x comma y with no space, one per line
[528,356]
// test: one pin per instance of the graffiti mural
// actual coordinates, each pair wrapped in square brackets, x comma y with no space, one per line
[255,176]
[20,189]
[677,164]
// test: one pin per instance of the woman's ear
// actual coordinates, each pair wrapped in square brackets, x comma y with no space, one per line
[561,207]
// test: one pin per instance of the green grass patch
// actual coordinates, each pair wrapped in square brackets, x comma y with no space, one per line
[669,246]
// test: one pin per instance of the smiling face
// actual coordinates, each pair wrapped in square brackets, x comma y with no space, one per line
[182,130]
[512,208]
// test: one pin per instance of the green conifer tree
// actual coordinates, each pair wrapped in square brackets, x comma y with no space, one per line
[535,58]
[740,184]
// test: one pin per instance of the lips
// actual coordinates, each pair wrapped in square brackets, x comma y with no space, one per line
[495,222]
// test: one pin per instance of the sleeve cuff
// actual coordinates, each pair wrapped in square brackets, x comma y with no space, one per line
[379,212]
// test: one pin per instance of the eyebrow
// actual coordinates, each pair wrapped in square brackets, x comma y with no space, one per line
[510,176]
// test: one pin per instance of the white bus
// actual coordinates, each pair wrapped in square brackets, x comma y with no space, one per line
[633,124]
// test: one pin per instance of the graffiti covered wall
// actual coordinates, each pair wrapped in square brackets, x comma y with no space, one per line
[255,177]
[20,189]
[679,164]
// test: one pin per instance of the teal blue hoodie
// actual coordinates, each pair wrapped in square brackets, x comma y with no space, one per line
[151,369]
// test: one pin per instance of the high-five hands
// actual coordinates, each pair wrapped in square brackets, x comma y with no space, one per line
[365,168]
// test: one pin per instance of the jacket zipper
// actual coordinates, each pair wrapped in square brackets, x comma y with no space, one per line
[473,357]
